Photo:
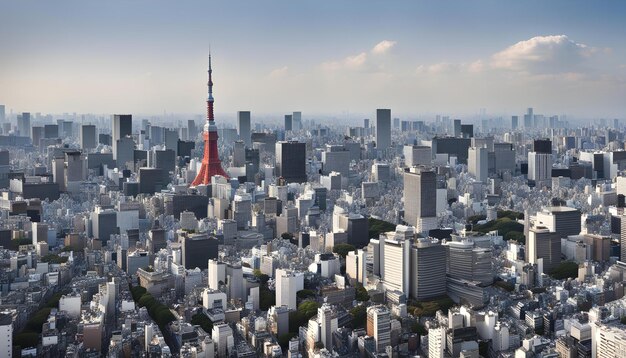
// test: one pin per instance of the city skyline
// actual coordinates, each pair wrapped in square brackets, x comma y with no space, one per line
[421,58]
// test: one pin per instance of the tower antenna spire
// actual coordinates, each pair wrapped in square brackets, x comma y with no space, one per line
[211,164]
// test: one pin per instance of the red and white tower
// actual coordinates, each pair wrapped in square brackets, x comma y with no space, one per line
[211,164]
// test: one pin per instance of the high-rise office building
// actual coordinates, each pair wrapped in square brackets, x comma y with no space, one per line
[291,161]
[222,335]
[287,285]
[379,326]
[514,122]
[197,249]
[420,202]
[243,127]
[6,335]
[529,119]
[540,168]
[546,245]
[336,158]
[88,139]
[477,163]
[504,154]
[2,113]
[436,342]
[104,224]
[121,126]
[51,131]
[383,129]
[124,153]
[457,128]
[563,220]
[415,155]
[397,265]
[288,122]
[23,124]
[428,269]
[542,146]
[216,273]
[296,118]
[327,318]
[467,130]
[608,341]
[467,262]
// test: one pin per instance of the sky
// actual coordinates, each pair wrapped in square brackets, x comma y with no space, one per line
[418,58]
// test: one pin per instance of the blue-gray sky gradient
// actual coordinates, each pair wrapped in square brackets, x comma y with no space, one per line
[319,57]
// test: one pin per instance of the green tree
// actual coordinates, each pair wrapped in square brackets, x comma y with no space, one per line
[359,316]
[515,236]
[566,269]
[203,321]
[263,278]
[284,339]
[361,293]
[377,227]
[343,249]
[419,328]
[305,294]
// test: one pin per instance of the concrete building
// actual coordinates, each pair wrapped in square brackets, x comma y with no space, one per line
[383,129]
[540,168]
[291,161]
[379,326]
[6,335]
[477,163]
[121,126]
[543,248]
[243,127]
[287,285]
[563,220]
[197,249]
[420,198]
[428,269]
[416,155]
[397,265]
[88,137]
[222,335]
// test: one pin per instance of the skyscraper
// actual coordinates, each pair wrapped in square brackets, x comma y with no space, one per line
[6,335]
[291,161]
[514,122]
[396,265]
[288,122]
[477,164]
[383,129]
[420,202]
[296,120]
[287,284]
[211,164]
[428,269]
[197,249]
[23,124]
[563,220]
[122,126]
[379,326]
[88,138]
[546,245]
[540,162]
[243,127]
[2,113]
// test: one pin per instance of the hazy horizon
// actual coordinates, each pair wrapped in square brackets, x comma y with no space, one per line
[324,59]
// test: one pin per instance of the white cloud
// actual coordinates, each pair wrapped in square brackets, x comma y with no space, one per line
[542,55]
[279,72]
[362,61]
[383,47]
[355,62]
